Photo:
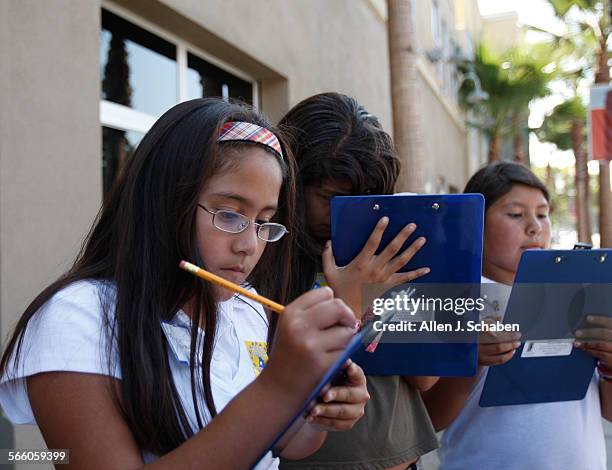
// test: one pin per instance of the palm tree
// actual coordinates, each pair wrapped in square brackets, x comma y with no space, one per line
[592,18]
[405,95]
[565,127]
[512,79]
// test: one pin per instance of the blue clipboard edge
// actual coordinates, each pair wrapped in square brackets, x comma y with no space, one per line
[485,401]
[341,203]
[366,334]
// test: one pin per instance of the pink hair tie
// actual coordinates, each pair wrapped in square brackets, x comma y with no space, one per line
[247,131]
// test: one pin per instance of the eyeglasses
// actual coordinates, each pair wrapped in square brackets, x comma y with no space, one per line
[233,222]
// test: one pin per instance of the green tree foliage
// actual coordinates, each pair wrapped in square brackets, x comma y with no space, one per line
[512,79]
[557,126]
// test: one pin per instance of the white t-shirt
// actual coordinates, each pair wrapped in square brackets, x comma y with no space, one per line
[68,334]
[544,436]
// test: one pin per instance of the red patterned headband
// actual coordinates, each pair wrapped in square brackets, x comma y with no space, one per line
[239,130]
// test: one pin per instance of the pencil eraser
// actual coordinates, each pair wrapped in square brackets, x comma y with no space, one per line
[182,264]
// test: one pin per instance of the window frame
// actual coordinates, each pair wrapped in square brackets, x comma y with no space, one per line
[124,118]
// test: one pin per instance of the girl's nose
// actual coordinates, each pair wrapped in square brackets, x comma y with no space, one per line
[534,226]
[246,241]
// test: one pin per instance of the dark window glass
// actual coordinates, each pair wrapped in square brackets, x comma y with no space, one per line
[117,147]
[205,79]
[137,68]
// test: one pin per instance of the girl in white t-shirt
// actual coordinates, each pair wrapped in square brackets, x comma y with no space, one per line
[127,360]
[544,436]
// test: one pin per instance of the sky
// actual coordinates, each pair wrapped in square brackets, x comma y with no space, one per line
[540,14]
[533,12]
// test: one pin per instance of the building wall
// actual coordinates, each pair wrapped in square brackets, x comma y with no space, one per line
[501,31]
[467,15]
[443,122]
[304,47]
[444,143]
[50,178]
[469,26]
[50,134]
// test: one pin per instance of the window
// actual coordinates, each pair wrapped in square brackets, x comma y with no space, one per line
[204,79]
[437,33]
[144,71]
[435,25]
[129,59]
[117,147]
[445,55]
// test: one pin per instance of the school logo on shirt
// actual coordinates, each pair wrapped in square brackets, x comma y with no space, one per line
[258,352]
[320,281]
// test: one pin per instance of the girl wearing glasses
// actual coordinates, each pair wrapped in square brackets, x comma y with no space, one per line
[126,360]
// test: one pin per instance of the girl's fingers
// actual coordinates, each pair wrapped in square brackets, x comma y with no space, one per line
[594,333]
[334,339]
[601,350]
[603,356]
[494,354]
[369,249]
[327,424]
[329,313]
[355,375]
[496,360]
[604,370]
[602,346]
[346,395]
[402,278]
[494,349]
[328,260]
[396,244]
[311,298]
[599,320]
[400,261]
[492,319]
[338,411]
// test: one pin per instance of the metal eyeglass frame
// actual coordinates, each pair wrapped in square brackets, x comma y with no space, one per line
[247,222]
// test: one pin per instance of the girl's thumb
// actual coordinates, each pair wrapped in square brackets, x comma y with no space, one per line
[328,257]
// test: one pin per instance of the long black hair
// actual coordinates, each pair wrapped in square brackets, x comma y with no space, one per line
[333,137]
[145,227]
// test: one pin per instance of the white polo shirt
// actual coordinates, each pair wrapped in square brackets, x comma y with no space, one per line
[544,436]
[68,334]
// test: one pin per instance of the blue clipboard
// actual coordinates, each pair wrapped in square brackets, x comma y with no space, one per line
[553,291]
[453,227]
[334,373]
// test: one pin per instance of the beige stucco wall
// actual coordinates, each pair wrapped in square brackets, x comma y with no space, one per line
[444,140]
[50,183]
[444,131]
[310,45]
[469,23]
[468,17]
[50,178]
[501,31]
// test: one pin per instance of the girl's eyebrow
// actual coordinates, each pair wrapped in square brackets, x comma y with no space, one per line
[336,192]
[242,200]
[520,204]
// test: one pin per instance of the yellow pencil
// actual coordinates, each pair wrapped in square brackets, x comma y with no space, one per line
[202,273]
